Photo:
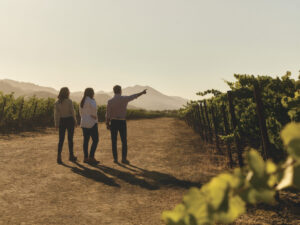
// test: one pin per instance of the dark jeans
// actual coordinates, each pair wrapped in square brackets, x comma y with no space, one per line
[115,127]
[68,124]
[93,133]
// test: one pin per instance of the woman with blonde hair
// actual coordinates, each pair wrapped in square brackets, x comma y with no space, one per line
[65,119]
[89,125]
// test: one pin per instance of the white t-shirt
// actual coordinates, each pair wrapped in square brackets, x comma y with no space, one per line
[89,109]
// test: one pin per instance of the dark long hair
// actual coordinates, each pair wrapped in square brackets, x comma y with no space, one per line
[64,93]
[88,92]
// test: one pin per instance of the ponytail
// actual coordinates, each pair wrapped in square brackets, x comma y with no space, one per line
[82,101]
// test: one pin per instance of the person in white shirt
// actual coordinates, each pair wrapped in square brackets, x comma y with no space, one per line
[65,119]
[116,120]
[89,125]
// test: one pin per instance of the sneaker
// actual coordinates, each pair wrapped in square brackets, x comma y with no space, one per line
[73,158]
[86,160]
[59,161]
[93,161]
[125,161]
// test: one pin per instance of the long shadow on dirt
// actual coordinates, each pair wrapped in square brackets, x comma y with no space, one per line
[127,177]
[163,179]
[151,180]
[92,174]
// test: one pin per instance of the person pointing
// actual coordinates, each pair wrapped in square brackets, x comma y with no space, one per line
[116,120]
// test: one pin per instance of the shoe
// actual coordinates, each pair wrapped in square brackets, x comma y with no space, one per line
[93,161]
[125,161]
[115,161]
[59,161]
[86,160]
[73,158]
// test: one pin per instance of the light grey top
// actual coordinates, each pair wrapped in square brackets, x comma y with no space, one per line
[117,106]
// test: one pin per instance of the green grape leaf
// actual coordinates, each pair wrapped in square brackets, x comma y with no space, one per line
[236,207]
[256,163]
[239,178]
[234,180]
[200,213]
[272,180]
[216,190]
[194,198]
[294,149]
[176,216]
[270,167]
[290,132]
[261,195]
[196,204]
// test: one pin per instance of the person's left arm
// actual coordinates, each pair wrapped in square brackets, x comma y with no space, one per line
[93,106]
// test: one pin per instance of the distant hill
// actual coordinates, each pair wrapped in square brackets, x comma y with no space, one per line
[154,100]
[28,87]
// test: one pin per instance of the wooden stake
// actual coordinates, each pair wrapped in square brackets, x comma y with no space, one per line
[234,125]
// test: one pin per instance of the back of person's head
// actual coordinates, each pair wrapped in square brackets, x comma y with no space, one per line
[117,89]
[88,92]
[64,93]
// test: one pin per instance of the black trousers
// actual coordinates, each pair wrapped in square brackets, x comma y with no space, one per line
[68,124]
[115,127]
[87,134]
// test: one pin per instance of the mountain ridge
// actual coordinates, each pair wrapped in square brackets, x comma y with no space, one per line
[154,100]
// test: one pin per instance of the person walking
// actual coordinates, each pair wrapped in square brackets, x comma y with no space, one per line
[65,119]
[116,120]
[89,125]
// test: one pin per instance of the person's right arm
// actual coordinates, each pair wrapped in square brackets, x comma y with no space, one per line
[108,115]
[132,97]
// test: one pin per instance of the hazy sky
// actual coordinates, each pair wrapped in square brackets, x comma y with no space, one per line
[176,46]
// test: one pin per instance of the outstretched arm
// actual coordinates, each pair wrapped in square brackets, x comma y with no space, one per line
[132,97]
[93,107]
[142,93]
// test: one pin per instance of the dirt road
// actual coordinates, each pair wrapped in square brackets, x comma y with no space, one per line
[166,159]
[166,156]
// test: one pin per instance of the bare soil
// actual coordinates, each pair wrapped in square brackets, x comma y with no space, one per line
[166,156]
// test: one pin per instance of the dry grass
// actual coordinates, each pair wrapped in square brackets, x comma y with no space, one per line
[166,159]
